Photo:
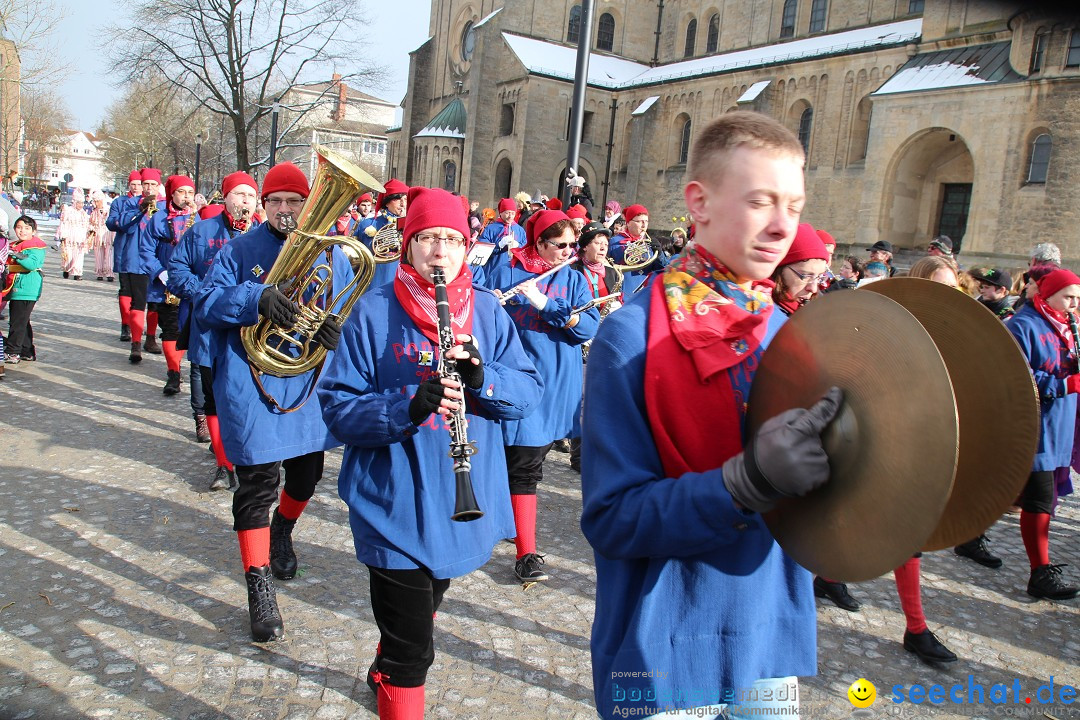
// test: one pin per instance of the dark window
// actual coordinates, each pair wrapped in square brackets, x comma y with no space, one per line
[805,122]
[713,39]
[914,6]
[450,176]
[691,38]
[573,28]
[817,15]
[684,143]
[1038,51]
[787,22]
[605,33]
[586,124]
[1040,159]
[468,42]
[506,123]
[1073,58]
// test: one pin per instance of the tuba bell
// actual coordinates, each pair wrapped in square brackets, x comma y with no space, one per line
[305,267]
[639,254]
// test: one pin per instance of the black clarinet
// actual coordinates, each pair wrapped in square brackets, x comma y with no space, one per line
[465,507]
[1076,341]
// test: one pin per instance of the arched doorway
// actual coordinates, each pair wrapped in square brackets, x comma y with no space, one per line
[928,190]
[503,176]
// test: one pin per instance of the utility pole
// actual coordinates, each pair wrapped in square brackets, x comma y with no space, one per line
[581,80]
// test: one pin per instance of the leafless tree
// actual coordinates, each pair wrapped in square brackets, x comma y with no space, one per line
[235,57]
[45,117]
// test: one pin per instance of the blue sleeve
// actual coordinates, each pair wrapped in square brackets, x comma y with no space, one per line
[222,303]
[183,282]
[630,508]
[148,259]
[112,222]
[512,386]
[557,311]
[130,214]
[492,233]
[1050,386]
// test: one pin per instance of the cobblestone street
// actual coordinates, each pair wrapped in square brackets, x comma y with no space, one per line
[123,596]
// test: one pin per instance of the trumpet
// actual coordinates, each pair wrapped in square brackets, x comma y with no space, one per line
[638,254]
[505,296]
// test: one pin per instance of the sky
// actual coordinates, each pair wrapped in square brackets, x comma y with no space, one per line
[395,30]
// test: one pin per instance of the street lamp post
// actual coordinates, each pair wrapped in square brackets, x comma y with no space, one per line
[273,132]
[581,80]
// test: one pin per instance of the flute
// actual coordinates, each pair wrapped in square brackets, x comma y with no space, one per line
[595,302]
[505,296]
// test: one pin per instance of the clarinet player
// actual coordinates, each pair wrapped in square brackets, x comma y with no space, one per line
[385,399]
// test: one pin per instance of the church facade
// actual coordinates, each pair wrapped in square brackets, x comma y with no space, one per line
[920,117]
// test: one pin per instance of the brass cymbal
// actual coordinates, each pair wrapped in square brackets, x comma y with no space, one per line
[892,449]
[988,372]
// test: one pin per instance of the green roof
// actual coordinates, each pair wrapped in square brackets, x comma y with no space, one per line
[448,123]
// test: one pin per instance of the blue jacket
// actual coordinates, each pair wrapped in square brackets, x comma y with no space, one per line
[687,585]
[398,479]
[252,430]
[190,261]
[156,248]
[495,230]
[632,280]
[121,221]
[553,349]
[384,272]
[1050,365]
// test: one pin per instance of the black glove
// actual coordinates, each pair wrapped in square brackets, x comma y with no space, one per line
[146,203]
[471,375]
[427,399]
[328,334]
[784,458]
[277,308]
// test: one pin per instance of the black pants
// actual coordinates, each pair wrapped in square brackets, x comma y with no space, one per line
[168,320]
[258,487]
[404,603]
[20,339]
[525,467]
[137,286]
[125,287]
[1039,493]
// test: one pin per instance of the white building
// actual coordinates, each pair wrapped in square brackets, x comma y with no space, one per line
[80,155]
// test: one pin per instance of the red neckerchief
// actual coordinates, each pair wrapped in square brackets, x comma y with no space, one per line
[528,258]
[788,306]
[174,211]
[701,323]
[417,297]
[1057,320]
[235,224]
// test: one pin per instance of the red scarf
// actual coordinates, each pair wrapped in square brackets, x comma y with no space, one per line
[1057,320]
[701,323]
[417,297]
[528,258]
[235,224]
[174,211]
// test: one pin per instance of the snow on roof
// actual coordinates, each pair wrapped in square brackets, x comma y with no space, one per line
[554,60]
[645,105]
[483,20]
[753,92]
[953,67]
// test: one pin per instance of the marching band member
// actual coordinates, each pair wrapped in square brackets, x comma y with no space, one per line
[383,397]
[391,206]
[121,242]
[136,216]
[637,223]
[365,207]
[551,334]
[166,229]
[188,266]
[687,611]
[505,234]
[258,436]
[578,216]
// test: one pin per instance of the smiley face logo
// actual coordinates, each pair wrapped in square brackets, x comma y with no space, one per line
[862,693]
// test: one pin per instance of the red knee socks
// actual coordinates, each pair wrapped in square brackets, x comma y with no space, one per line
[151,324]
[908,588]
[172,355]
[398,703]
[1035,529]
[525,522]
[215,442]
[254,547]
[136,321]
[289,508]
[125,309]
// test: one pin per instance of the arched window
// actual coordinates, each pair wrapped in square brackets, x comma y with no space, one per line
[504,172]
[605,33]
[818,10]
[691,38]
[787,20]
[713,39]
[506,123]
[860,131]
[684,143]
[1040,159]
[805,122]
[1038,51]
[573,28]
[450,176]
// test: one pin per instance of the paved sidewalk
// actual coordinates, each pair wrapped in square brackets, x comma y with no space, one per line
[123,596]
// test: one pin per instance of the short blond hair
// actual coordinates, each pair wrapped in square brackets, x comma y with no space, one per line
[731,131]
[926,267]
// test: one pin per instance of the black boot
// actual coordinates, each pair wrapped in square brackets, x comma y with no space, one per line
[172,385]
[221,479]
[202,431]
[125,333]
[150,345]
[136,353]
[263,610]
[928,647]
[1047,582]
[282,557]
[837,592]
[976,550]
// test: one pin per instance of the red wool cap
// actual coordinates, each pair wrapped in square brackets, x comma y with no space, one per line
[577,211]
[540,221]
[430,208]
[285,177]
[826,238]
[366,197]
[232,180]
[633,211]
[175,182]
[1054,282]
[807,245]
[507,204]
[151,174]
[393,187]
[134,175]
[554,204]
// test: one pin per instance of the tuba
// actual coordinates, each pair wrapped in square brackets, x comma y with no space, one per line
[305,267]
[639,254]
[386,243]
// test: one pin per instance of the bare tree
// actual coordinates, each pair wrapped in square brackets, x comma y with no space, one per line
[235,57]
[45,117]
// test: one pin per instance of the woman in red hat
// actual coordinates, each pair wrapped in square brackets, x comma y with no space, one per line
[800,274]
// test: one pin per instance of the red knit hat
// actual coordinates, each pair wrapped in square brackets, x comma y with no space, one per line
[540,221]
[577,211]
[151,174]
[826,238]
[366,197]
[633,211]
[134,175]
[285,177]
[211,211]
[393,187]
[807,245]
[1053,282]
[433,207]
[175,182]
[554,204]
[237,178]
[507,204]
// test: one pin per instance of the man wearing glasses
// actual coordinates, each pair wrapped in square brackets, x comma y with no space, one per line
[542,309]
[261,437]
[391,207]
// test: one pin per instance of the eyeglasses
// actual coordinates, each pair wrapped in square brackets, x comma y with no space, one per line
[427,240]
[561,246]
[294,203]
[810,279]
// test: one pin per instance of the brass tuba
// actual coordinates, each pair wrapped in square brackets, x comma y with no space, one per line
[305,267]
[386,243]
[639,254]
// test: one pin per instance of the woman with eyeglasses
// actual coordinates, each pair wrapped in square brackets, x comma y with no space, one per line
[383,396]
[800,274]
[552,335]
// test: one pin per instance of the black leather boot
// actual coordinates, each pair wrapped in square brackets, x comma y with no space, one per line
[282,557]
[125,333]
[150,345]
[172,385]
[136,353]
[263,610]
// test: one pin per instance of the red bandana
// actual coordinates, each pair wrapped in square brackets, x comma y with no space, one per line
[417,296]
[238,224]
[528,258]
[1057,320]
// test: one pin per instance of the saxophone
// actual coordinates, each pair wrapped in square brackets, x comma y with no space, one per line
[171,299]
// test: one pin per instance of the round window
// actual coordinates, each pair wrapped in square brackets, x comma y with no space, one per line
[468,42]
